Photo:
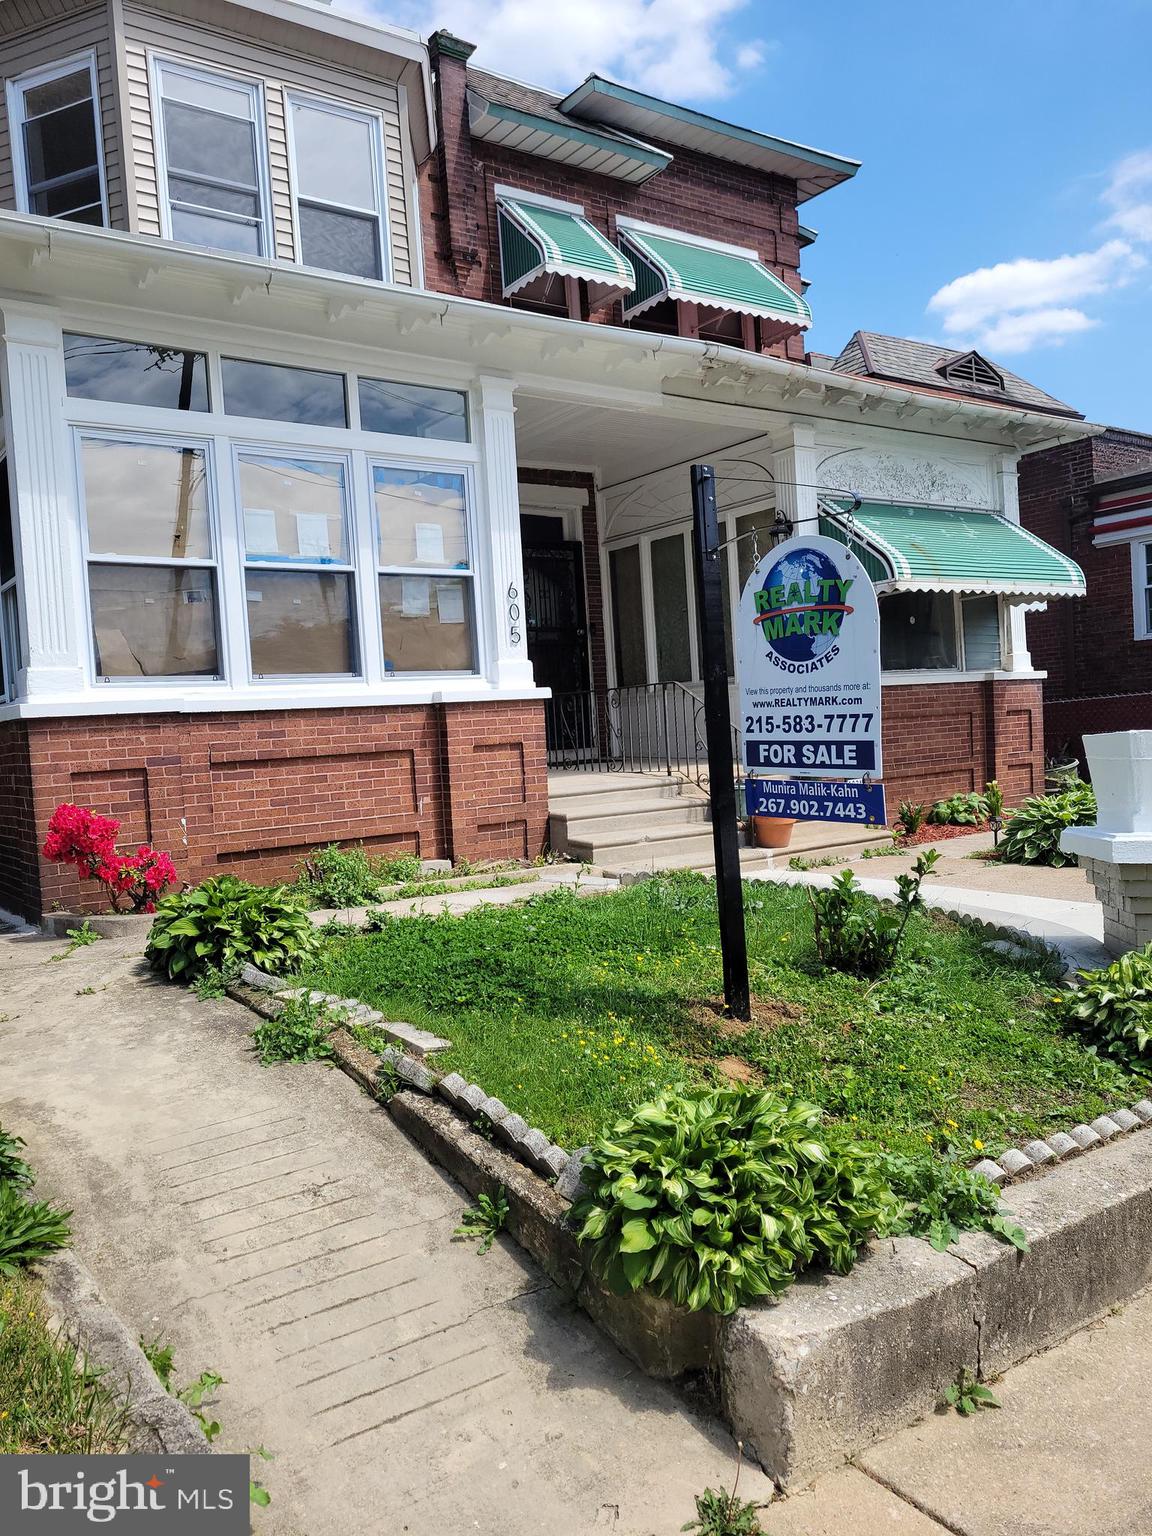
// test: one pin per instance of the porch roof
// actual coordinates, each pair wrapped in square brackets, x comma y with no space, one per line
[715,276]
[949,549]
[536,240]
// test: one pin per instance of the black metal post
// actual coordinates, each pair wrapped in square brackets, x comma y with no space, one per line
[718,732]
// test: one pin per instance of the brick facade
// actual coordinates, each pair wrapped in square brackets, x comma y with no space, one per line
[1099,675]
[944,738]
[702,196]
[251,793]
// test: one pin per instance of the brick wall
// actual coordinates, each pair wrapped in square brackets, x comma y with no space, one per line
[251,793]
[944,738]
[696,194]
[1098,673]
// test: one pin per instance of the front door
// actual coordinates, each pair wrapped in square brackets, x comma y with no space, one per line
[558,636]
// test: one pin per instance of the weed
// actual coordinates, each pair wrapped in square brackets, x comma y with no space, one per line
[161,1358]
[725,1514]
[943,1199]
[856,933]
[13,1168]
[214,980]
[484,1220]
[85,991]
[299,1032]
[887,851]
[339,877]
[388,1080]
[967,1395]
[829,859]
[79,938]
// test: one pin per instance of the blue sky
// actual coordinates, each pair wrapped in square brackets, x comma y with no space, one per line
[1007,149]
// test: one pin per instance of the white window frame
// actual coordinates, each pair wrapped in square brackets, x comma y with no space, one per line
[16,90]
[348,568]
[215,563]
[157,64]
[432,572]
[379,176]
[1141,585]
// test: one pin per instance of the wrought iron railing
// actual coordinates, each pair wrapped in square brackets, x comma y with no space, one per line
[649,728]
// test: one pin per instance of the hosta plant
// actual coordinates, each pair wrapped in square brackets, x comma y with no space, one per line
[713,1199]
[224,922]
[963,810]
[1032,834]
[1111,1009]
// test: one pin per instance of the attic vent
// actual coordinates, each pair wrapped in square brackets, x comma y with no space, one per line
[971,368]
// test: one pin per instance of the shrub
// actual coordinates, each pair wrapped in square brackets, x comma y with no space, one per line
[1032,833]
[714,1199]
[1111,1009]
[858,934]
[943,1198]
[339,877]
[28,1228]
[299,1032]
[224,922]
[88,842]
[912,815]
[966,810]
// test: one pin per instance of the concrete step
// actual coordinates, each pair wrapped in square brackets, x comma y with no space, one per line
[658,863]
[687,840]
[810,840]
[631,812]
[587,788]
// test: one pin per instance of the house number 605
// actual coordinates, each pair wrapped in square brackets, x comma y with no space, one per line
[514,615]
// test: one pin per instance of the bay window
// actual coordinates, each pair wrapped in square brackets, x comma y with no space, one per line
[151,557]
[56,150]
[297,566]
[338,174]
[211,149]
[426,599]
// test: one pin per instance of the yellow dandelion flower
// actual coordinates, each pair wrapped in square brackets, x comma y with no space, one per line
[978,1144]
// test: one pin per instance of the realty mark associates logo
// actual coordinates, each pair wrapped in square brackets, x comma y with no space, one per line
[802,605]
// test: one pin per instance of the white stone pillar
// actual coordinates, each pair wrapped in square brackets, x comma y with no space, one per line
[49,562]
[1014,632]
[503,602]
[794,470]
[1116,854]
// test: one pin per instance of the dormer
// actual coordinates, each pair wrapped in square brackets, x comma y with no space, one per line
[970,370]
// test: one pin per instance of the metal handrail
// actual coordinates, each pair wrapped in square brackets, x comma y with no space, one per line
[644,728]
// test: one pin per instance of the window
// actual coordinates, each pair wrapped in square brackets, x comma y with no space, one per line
[276,393]
[298,566]
[211,144]
[9,613]
[426,600]
[1142,591]
[670,609]
[628,615]
[413,410]
[151,565]
[980,627]
[135,373]
[338,161]
[55,118]
[918,632]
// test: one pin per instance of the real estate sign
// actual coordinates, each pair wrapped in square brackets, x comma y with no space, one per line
[808,670]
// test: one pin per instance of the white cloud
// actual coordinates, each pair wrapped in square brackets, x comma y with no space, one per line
[681,49]
[1129,196]
[1038,327]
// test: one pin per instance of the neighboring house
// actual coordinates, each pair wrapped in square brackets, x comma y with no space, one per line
[310,332]
[1093,499]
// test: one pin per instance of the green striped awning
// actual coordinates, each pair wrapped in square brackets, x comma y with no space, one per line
[538,241]
[945,549]
[668,268]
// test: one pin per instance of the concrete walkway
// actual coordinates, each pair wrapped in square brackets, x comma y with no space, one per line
[274,1225]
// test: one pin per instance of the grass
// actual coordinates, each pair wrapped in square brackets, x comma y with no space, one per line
[574,1009]
[50,1400]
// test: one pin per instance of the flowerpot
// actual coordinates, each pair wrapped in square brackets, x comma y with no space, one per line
[109,925]
[1120,763]
[772,831]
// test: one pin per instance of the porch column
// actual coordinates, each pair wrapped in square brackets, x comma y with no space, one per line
[49,562]
[1013,629]
[794,470]
[505,618]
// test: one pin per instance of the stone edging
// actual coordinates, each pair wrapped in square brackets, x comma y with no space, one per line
[160,1422]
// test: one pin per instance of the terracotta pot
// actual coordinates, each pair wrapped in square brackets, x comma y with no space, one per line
[772,831]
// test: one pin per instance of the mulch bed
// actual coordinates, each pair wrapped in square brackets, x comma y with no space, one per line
[936,834]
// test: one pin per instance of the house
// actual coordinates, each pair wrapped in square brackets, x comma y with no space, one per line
[1093,500]
[349,398]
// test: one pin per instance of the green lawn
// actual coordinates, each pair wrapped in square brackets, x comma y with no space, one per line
[574,1009]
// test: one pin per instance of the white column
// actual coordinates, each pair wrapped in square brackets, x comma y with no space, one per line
[502,603]
[794,470]
[44,512]
[1013,630]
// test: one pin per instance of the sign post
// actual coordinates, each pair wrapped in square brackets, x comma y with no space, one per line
[808,673]
[718,726]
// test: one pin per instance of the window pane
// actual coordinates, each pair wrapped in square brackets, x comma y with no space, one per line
[628,616]
[300,623]
[71,199]
[207,144]
[413,410]
[293,510]
[93,215]
[340,242]
[183,190]
[749,549]
[153,621]
[135,373]
[145,499]
[334,156]
[217,234]
[421,517]
[61,143]
[1148,561]
[917,631]
[981,619]
[427,624]
[65,91]
[278,393]
[7,549]
[670,602]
